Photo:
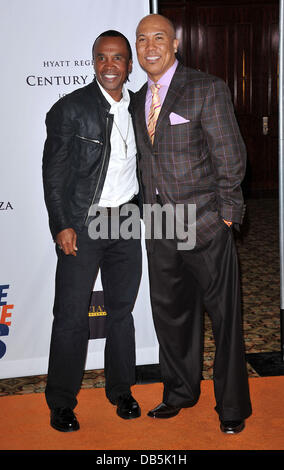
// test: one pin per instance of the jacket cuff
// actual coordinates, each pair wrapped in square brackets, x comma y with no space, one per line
[55,229]
[232,214]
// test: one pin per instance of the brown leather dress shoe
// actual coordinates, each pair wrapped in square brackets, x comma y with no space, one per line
[232,427]
[164,411]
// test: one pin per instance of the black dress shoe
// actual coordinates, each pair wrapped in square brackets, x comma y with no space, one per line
[64,420]
[164,411]
[127,407]
[232,427]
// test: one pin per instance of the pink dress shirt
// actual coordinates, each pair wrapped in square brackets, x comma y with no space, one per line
[164,81]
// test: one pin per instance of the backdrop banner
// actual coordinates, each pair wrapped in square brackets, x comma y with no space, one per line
[46,53]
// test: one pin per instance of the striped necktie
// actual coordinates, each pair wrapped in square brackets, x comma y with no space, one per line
[154,110]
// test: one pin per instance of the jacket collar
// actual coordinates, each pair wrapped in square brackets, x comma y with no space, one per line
[175,93]
[98,95]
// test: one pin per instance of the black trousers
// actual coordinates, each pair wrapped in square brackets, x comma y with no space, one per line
[120,263]
[184,284]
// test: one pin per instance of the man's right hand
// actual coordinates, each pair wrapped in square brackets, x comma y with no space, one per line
[66,240]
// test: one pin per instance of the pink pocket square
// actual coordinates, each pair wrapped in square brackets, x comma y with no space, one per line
[176,119]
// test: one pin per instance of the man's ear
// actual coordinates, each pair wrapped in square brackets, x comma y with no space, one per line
[130,65]
[176,43]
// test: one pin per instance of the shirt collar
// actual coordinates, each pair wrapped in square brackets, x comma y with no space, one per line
[125,96]
[165,80]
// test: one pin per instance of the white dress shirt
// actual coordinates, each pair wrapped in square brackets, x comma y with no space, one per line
[121,181]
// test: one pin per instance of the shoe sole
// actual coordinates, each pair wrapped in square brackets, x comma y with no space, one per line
[64,430]
[236,431]
[162,417]
[130,416]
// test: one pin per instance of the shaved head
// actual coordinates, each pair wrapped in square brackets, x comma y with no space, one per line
[154,18]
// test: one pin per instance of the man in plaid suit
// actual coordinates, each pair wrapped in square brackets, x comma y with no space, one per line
[191,152]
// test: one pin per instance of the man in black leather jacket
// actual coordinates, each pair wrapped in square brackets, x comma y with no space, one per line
[89,162]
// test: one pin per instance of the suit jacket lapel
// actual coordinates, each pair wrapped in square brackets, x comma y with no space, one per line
[140,117]
[174,93]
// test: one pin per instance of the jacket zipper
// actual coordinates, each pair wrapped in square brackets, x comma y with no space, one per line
[89,140]
[102,166]
[139,177]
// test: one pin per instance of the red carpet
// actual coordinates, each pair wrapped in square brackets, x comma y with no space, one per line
[24,423]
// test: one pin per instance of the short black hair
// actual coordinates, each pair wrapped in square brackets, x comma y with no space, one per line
[111,33]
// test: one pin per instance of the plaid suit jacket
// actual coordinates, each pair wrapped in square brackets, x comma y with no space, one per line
[201,161]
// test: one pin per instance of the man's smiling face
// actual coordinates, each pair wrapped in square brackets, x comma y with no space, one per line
[155,45]
[112,64]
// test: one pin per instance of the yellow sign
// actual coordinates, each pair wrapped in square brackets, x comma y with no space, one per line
[99,312]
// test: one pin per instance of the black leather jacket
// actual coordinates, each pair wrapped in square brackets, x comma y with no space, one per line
[76,156]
